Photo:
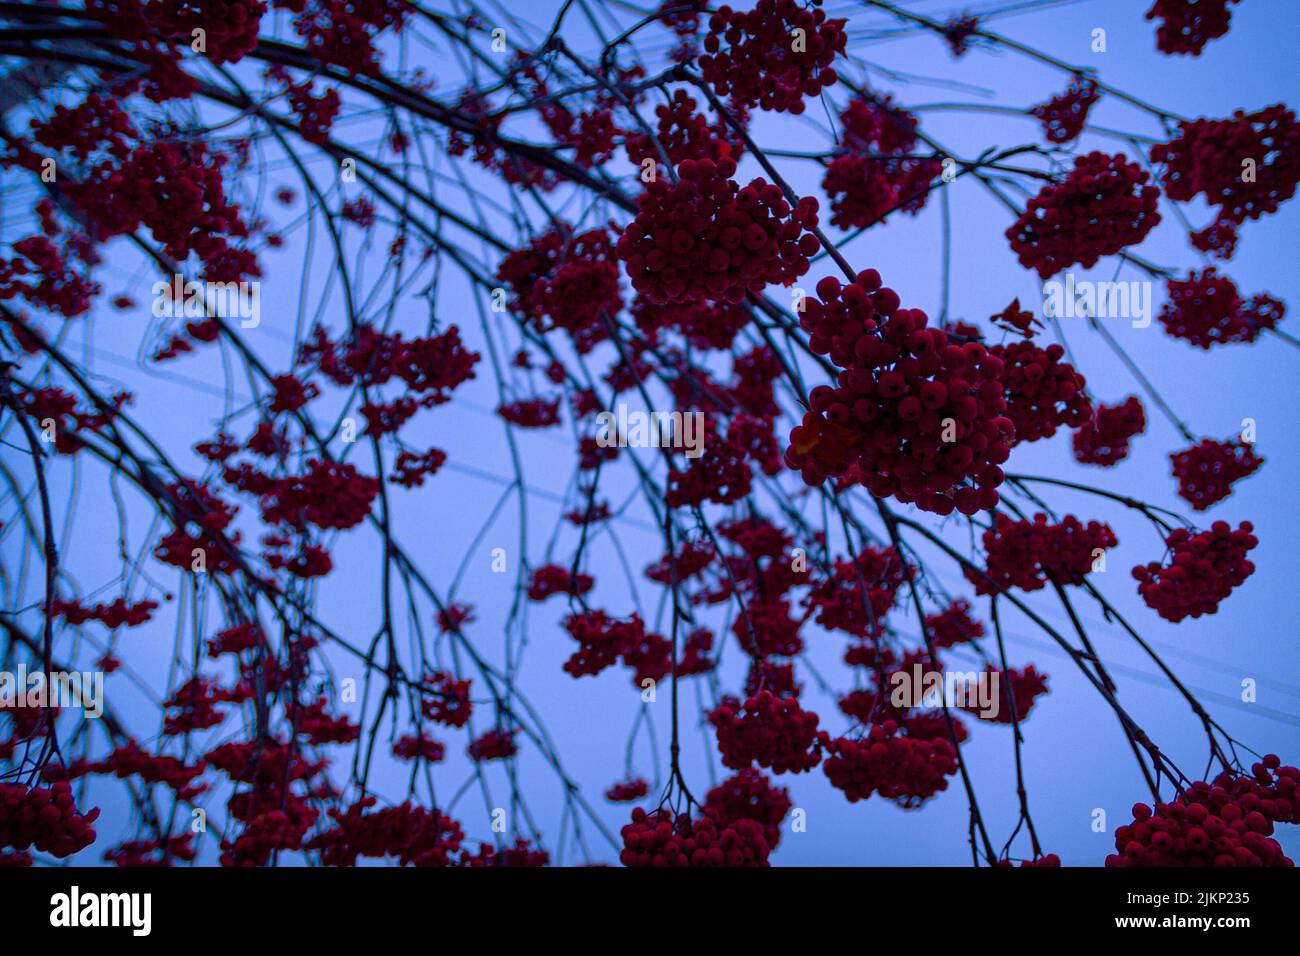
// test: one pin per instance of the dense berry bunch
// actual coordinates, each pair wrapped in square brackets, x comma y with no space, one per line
[1104,438]
[44,818]
[1206,309]
[1246,166]
[774,55]
[662,839]
[628,790]
[1021,687]
[1207,471]
[447,700]
[494,745]
[1105,205]
[1043,392]
[566,280]
[1203,569]
[1029,554]
[750,795]
[328,495]
[903,769]
[875,176]
[1064,115]
[552,579]
[768,730]
[412,835]
[721,474]
[858,593]
[1204,826]
[602,640]
[954,625]
[176,190]
[683,133]
[705,237]
[1277,788]
[1187,25]
[914,415]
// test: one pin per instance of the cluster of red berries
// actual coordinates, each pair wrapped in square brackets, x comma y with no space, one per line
[628,790]
[721,474]
[1187,25]
[414,835]
[1207,471]
[875,176]
[176,190]
[1064,115]
[900,768]
[1203,569]
[602,640]
[858,593]
[704,237]
[750,795]
[552,579]
[97,124]
[446,700]
[566,280]
[768,730]
[329,494]
[776,54]
[1104,438]
[132,760]
[1209,157]
[1043,392]
[1103,206]
[1029,554]
[954,625]
[914,415]
[1277,788]
[1206,309]
[531,412]
[684,134]
[1021,687]
[433,366]
[112,616]
[410,469]
[497,744]
[1204,826]
[45,819]
[664,839]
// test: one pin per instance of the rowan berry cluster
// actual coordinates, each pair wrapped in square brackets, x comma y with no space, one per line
[1205,826]
[1103,206]
[44,819]
[768,730]
[1043,392]
[1104,438]
[1202,570]
[566,280]
[875,176]
[750,795]
[914,416]
[664,839]
[775,54]
[1030,554]
[1207,158]
[1020,687]
[684,134]
[1207,471]
[1064,115]
[705,237]
[1206,310]
[1187,25]
[900,768]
